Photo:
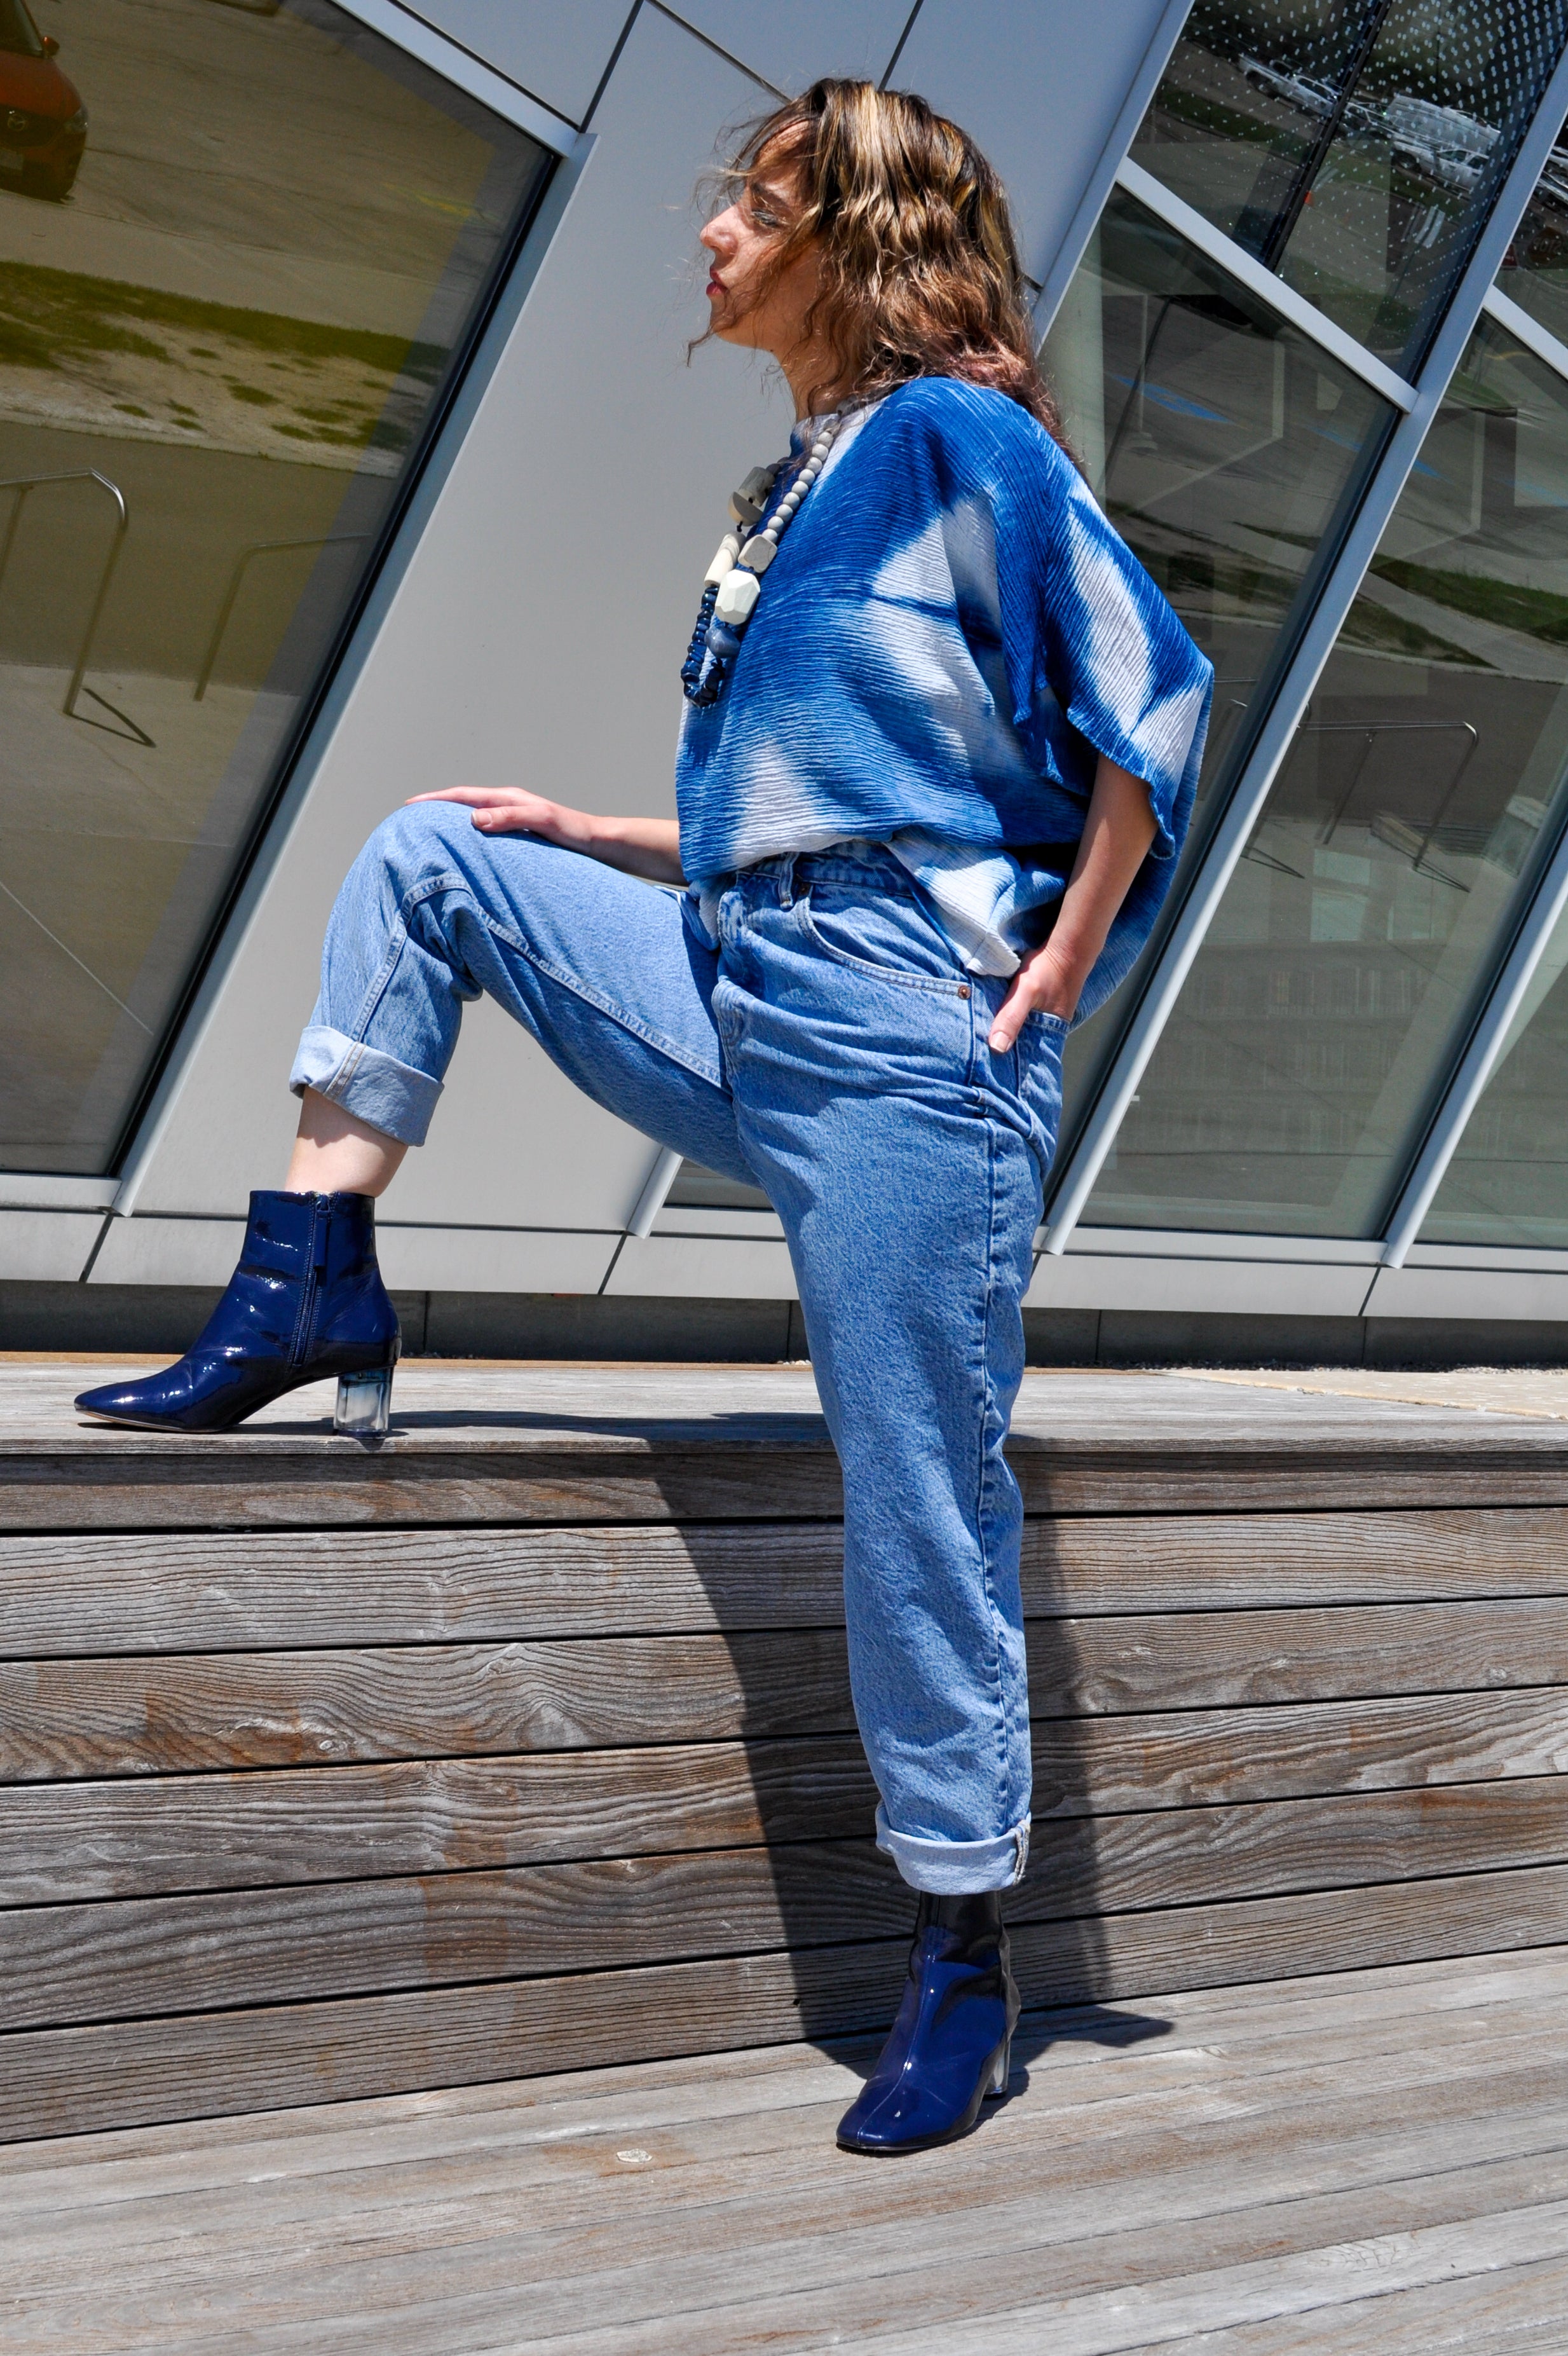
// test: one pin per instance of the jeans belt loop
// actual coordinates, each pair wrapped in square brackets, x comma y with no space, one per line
[786,883]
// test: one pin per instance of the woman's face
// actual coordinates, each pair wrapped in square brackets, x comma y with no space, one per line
[742,241]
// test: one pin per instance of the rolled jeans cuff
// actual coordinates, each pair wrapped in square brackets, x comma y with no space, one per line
[371,1085]
[956,1868]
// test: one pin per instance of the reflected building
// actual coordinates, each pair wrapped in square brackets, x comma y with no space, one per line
[337,343]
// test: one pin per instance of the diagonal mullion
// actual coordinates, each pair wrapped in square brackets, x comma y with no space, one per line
[1251,790]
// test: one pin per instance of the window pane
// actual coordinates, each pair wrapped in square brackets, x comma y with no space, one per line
[1437,114]
[1344,967]
[1508,1183]
[1243,108]
[1224,447]
[1535,268]
[217,359]
[1355,145]
[697,1188]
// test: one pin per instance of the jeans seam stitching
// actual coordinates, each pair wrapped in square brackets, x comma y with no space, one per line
[714,1076]
[1004,1744]
[879,972]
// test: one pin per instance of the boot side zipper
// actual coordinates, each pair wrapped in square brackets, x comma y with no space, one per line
[300,1348]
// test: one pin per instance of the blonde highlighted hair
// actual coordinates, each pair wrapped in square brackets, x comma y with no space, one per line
[921,273]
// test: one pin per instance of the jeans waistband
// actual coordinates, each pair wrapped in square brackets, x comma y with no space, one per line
[874,864]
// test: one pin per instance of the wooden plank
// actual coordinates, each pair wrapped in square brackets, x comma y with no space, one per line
[436,1817]
[1196,1757]
[1505,2310]
[729,2109]
[184,1592]
[252,1481]
[1191,2304]
[173,1713]
[823,2255]
[200,2065]
[136,1835]
[277,1943]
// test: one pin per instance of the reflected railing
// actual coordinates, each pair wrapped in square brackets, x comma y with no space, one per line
[23,485]
[236,579]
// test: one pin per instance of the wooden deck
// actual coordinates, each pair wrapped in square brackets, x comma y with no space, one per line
[1373,2164]
[522,1741]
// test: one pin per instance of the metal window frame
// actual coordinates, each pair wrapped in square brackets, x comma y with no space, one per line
[464,72]
[1261,282]
[1484,1052]
[1251,793]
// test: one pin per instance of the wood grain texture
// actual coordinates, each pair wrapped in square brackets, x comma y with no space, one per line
[416,2225]
[153,1714]
[82,1840]
[192,2066]
[278,1945]
[1184,1759]
[282,1487]
[182,1591]
[135,1836]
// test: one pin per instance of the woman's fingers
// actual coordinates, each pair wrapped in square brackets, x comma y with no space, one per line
[479,796]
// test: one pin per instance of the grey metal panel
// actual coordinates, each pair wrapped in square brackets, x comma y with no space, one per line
[558,53]
[46,1247]
[1522,1297]
[1231,1286]
[1039,92]
[518,645]
[792,46]
[711,1267]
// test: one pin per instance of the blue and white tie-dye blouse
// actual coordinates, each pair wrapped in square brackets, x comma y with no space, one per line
[949,634]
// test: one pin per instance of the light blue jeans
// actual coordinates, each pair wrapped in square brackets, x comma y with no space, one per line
[833,1053]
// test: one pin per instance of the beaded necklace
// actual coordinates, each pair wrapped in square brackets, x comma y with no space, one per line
[733,581]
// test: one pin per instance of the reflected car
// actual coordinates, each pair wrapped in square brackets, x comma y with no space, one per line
[43,123]
[1313,97]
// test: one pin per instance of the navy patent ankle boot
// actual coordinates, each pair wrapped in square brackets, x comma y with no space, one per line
[951,2043]
[307,1301]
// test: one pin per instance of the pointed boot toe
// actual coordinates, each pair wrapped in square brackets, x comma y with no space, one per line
[306,1302]
[951,2044]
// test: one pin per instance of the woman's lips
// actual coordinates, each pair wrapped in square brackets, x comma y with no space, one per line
[715,285]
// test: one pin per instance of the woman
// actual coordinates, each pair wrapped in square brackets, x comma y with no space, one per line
[938,754]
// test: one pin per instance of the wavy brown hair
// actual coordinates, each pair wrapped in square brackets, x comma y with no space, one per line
[921,273]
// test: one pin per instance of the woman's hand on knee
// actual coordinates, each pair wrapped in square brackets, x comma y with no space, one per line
[649,847]
[512,809]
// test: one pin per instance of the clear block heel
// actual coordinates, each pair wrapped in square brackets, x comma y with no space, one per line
[364,1403]
[1001,2070]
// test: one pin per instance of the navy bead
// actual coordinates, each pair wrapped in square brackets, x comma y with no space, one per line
[723,641]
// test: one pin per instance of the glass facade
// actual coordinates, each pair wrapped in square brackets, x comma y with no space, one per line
[1354,145]
[1345,967]
[1227,449]
[1535,269]
[1508,1183]
[242,253]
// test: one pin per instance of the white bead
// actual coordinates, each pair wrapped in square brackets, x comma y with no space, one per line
[728,549]
[737,592]
[758,554]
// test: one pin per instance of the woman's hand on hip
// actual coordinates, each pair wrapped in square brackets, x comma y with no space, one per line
[649,847]
[1118,828]
[1040,987]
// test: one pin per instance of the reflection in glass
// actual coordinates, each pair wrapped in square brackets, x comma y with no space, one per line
[1403,188]
[1535,268]
[1354,145]
[1342,974]
[1508,1183]
[1223,446]
[1246,105]
[217,359]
